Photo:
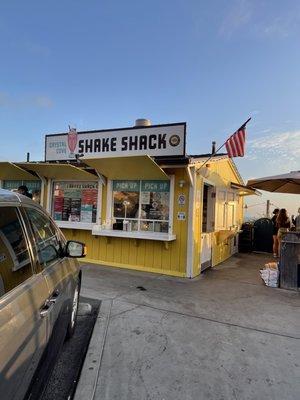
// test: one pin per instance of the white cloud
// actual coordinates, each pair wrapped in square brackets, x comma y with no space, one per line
[283,26]
[238,16]
[280,149]
[13,102]
[258,19]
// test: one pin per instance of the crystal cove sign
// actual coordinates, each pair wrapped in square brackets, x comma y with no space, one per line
[155,140]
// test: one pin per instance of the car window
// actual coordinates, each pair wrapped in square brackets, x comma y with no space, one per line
[15,263]
[47,243]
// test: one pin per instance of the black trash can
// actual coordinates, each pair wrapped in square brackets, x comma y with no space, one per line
[263,235]
[289,264]
[246,238]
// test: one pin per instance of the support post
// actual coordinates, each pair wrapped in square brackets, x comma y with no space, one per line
[268,209]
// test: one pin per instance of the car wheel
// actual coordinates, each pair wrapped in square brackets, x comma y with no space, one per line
[73,314]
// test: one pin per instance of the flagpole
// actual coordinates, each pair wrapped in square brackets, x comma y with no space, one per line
[215,152]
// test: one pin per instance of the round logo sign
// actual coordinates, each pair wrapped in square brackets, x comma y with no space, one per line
[174,140]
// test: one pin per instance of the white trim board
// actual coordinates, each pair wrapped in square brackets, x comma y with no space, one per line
[190,238]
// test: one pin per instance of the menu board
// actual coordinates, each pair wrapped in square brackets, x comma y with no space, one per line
[75,202]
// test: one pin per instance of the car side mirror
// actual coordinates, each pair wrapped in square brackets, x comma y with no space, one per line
[75,249]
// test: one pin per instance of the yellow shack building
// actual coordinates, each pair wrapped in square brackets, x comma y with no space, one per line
[137,199]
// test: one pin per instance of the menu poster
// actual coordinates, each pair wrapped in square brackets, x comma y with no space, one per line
[66,209]
[75,210]
[58,208]
[57,216]
[89,205]
[89,196]
[86,213]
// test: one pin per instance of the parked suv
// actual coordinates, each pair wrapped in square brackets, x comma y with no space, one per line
[39,291]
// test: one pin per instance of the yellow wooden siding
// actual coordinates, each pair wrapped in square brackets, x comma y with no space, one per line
[147,255]
[221,174]
[154,256]
[220,251]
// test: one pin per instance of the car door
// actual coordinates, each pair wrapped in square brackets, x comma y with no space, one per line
[23,298]
[58,270]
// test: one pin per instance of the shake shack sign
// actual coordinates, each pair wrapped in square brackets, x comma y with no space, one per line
[156,140]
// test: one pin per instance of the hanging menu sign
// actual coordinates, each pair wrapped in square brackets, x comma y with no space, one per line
[156,140]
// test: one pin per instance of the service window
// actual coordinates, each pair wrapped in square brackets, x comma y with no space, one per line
[46,239]
[15,263]
[141,205]
[75,201]
[34,188]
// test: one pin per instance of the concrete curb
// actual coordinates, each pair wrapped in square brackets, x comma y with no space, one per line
[90,371]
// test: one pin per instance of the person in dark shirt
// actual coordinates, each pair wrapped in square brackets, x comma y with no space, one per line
[275,231]
[24,190]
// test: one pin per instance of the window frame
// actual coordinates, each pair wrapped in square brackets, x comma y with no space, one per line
[71,224]
[108,223]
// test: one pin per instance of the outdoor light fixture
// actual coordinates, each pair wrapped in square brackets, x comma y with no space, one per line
[181,183]
[204,171]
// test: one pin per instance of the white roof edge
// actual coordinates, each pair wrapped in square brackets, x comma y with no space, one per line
[194,160]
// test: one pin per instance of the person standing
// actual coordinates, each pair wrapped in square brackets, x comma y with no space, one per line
[24,191]
[283,224]
[275,231]
[296,221]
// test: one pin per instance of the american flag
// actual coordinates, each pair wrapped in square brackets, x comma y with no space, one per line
[235,145]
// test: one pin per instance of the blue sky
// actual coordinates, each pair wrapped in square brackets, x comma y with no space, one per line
[102,64]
